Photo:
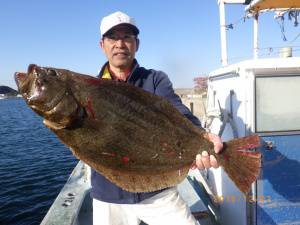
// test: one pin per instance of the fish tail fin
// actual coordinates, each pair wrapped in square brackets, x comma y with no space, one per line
[241,164]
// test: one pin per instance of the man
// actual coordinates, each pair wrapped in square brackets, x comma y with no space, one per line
[113,205]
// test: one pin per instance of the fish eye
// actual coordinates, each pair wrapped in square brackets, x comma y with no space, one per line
[51,72]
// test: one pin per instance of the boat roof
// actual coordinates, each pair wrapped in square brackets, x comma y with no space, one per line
[259,5]
[263,64]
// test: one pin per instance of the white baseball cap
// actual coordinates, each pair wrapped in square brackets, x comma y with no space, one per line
[115,19]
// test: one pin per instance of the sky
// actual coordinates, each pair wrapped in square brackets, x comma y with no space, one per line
[181,38]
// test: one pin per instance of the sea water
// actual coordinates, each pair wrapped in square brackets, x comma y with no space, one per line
[34,164]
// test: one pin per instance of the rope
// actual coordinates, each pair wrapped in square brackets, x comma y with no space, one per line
[234,24]
[279,15]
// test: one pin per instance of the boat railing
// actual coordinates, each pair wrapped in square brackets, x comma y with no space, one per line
[67,205]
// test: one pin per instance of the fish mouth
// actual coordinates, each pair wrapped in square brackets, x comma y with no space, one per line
[21,78]
[35,87]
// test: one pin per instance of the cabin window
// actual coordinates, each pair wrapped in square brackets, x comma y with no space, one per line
[277,103]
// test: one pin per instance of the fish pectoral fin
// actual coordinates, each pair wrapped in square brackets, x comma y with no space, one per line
[53,125]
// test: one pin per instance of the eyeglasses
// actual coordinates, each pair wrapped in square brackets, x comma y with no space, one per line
[128,38]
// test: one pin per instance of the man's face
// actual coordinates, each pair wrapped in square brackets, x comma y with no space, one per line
[119,45]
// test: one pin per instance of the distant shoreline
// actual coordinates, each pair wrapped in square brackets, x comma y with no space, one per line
[2,97]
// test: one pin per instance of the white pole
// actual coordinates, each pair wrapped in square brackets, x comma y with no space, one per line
[255,36]
[223,33]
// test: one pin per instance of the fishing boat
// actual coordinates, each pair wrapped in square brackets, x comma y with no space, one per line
[259,95]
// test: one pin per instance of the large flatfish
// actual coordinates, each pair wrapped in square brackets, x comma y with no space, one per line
[135,139]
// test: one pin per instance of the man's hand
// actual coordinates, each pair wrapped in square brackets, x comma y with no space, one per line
[207,161]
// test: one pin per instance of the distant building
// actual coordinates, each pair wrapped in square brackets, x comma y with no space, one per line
[2,96]
[194,99]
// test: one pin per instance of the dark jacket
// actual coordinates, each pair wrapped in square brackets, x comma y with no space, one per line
[157,83]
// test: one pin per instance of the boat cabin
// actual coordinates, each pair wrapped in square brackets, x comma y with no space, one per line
[259,96]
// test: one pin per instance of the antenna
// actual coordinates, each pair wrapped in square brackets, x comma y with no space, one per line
[223,33]
[221,4]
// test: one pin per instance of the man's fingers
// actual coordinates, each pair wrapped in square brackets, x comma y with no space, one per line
[213,162]
[218,145]
[205,159]
[216,140]
[199,163]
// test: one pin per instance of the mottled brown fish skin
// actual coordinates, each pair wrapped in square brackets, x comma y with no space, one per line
[136,139]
